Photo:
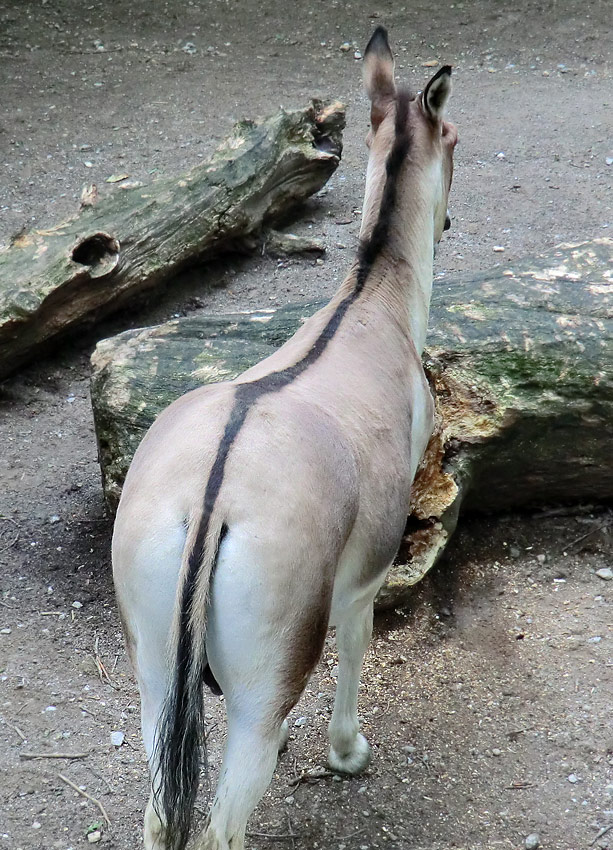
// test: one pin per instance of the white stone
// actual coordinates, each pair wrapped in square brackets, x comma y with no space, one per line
[117,738]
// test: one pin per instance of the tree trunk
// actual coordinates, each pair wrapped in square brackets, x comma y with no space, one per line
[53,280]
[520,360]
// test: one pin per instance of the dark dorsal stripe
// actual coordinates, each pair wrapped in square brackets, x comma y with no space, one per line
[246,395]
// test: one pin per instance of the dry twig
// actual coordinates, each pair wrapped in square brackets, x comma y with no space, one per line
[271,836]
[15,729]
[313,776]
[102,671]
[87,796]
[291,831]
[602,832]
[351,834]
[12,543]
[53,755]
[583,537]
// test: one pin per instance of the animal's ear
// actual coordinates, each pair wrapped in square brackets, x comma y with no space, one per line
[379,75]
[436,94]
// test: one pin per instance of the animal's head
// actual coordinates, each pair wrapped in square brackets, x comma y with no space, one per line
[411,128]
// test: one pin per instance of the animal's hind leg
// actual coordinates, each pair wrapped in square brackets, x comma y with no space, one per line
[248,765]
[263,639]
[256,701]
[349,750]
[152,683]
[146,578]
[283,737]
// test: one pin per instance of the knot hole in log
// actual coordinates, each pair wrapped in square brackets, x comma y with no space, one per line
[99,252]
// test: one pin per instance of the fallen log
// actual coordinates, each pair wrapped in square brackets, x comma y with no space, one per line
[520,359]
[52,281]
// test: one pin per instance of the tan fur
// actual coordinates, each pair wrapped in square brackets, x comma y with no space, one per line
[317,481]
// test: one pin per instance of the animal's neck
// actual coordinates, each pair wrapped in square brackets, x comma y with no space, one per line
[401,276]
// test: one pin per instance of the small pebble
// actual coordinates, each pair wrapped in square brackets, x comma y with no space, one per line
[606,573]
[498,249]
[345,47]
[573,778]
[496,752]
[609,160]
[302,721]
[94,837]
[357,54]
[541,558]
[36,825]
[117,738]
[533,841]
[500,155]
[53,519]
[5,631]
[77,604]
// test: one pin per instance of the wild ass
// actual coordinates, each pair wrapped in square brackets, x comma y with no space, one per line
[258,512]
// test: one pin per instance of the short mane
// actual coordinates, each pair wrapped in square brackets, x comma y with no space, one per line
[370,248]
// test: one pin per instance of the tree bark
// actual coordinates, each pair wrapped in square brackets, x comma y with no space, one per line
[52,281]
[520,359]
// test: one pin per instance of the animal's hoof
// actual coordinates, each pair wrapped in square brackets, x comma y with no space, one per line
[353,762]
[154,832]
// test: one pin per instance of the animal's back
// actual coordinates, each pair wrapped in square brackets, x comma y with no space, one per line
[256,510]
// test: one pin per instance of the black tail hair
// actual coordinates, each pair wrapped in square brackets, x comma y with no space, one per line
[181,732]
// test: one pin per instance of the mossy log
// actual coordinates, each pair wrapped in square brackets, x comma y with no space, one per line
[52,281]
[520,360]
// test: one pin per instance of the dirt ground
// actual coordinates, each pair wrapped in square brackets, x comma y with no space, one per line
[488,700]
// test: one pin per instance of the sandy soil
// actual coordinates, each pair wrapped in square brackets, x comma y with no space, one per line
[488,700]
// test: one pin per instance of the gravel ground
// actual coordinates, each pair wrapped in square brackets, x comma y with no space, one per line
[488,700]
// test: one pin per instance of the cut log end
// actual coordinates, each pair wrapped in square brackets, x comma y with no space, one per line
[329,124]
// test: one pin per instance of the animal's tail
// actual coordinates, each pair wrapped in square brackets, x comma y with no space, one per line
[181,740]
